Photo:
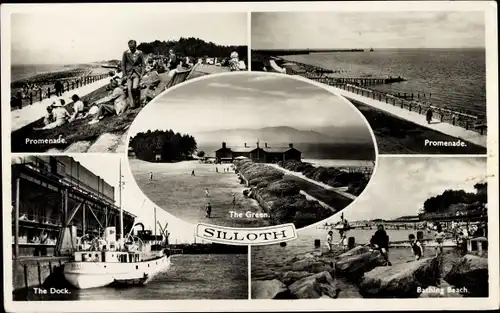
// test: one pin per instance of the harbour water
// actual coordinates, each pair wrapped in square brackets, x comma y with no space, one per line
[455,78]
[202,276]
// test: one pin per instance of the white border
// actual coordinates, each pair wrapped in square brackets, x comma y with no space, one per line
[490,9]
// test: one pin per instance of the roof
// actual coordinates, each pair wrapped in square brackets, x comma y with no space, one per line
[226,148]
[243,149]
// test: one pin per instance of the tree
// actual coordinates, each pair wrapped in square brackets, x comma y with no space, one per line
[171,146]
[200,154]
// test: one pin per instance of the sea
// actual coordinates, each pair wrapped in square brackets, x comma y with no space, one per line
[273,256]
[191,277]
[338,163]
[454,78]
[24,71]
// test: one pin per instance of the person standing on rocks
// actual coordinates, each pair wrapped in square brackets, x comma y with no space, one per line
[133,68]
[329,240]
[439,237]
[380,241]
[416,247]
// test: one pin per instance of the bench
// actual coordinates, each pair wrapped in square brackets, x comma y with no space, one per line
[181,76]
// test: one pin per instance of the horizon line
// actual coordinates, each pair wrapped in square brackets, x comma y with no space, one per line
[385,48]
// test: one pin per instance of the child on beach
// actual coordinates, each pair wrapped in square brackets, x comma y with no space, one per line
[207,194]
[416,247]
[329,240]
[439,237]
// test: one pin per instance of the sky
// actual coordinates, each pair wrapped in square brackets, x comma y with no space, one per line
[349,30]
[133,200]
[90,34]
[400,185]
[251,100]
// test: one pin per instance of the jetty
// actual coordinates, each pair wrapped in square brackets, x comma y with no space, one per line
[408,106]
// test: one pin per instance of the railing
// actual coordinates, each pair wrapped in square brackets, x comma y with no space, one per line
[456,118]
[40,94]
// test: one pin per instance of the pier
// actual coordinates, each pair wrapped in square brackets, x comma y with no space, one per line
[408,106]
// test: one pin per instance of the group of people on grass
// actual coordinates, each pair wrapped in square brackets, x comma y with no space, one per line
[58,115]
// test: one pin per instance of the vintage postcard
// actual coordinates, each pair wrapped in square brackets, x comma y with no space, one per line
[267,156]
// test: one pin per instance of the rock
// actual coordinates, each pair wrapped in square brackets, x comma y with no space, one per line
[263,274]
[354,251]
[314,286]
[355,265]
[311,265]
[470,274]
[290,277]
[268,289]
[317,253]
[404,280]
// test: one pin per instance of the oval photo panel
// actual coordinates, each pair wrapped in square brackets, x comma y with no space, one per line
[251,150]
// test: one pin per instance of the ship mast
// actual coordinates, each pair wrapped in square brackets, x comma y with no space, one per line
[120,203]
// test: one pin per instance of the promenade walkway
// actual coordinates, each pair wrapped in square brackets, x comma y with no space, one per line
[414,117]
[31,113]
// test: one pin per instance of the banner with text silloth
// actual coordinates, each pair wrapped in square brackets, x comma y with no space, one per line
[246,236]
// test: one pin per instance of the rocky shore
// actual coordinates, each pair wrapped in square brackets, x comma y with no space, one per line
[361,272]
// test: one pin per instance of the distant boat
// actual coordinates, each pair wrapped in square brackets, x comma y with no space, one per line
[371,50]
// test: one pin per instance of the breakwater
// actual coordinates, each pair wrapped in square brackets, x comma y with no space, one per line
[276,52]
[413,102]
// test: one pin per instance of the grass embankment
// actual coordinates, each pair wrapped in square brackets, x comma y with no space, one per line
[395,135]
[355,182]
[281,197]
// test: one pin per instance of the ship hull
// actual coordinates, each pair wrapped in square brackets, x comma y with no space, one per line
[86,275]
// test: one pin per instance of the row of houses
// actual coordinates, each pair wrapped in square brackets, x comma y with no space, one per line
[266,154]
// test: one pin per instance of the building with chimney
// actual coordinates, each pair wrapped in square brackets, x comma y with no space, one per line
[266,154]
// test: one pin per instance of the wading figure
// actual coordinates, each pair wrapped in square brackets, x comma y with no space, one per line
[439,237]
[428,116]
[133,68]
[150,175]
[416,247]
[329,240]
[208,210]
[192,173]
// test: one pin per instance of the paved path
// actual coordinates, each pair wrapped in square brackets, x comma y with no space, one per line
[320,184]
[414,117]
[31,113]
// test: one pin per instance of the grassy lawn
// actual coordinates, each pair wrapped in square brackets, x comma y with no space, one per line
[177,192]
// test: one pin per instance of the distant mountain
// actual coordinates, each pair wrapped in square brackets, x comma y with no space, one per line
[284,134]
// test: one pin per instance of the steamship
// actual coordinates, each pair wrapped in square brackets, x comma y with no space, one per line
[106,260]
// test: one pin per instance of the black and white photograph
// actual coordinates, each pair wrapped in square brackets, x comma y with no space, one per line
[251,150]
[419,77]
[78,235]
[420,230]
[76,88]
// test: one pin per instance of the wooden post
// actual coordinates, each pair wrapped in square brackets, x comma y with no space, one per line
[31,97]
[25,268]
[16,220]
[39,273]
[317,243]
[83,219]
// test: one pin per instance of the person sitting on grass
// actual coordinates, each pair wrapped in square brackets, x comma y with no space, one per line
[416,247]
[60,116]
[78,108]
[150,81]
[115,103]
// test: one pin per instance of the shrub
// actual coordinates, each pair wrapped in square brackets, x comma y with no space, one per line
[283,188]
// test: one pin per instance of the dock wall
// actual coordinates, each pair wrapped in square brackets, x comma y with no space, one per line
[34,272]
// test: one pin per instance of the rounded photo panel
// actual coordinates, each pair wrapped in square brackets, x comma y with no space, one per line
[251,150]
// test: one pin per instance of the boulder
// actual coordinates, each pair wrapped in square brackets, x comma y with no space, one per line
[404,280]
[314,286]
[268,289]
[354,266]
[290,277]
[354,251]
[470,274]
[311,265]
[263,274]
